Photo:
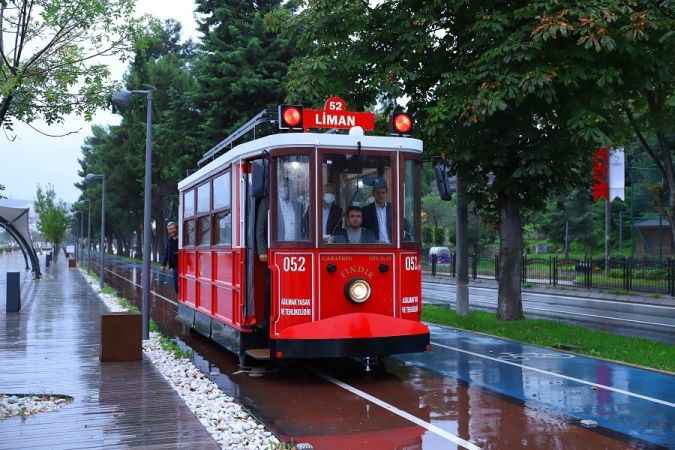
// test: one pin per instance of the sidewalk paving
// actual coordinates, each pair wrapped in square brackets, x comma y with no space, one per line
[52,347]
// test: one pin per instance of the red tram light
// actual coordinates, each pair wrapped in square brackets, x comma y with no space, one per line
[401,123]
[290,117]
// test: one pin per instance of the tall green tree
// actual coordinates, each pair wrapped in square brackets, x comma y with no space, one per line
[52,217]
[242,64]
[483,90]
[631,44]
[572,212]
[163,61]
[50,52]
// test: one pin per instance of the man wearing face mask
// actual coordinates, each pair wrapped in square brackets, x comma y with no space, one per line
[331,212]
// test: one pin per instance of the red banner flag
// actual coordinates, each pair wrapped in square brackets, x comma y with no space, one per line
[601,174]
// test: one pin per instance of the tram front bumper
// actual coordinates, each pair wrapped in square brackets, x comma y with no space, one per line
[356,334]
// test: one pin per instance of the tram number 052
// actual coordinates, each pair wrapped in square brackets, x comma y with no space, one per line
[294,263]
[411,263]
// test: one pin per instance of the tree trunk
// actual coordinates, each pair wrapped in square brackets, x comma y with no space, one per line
[510,305]
[670,211]
[4,108]
[608,225]
[139,242]
[462,255]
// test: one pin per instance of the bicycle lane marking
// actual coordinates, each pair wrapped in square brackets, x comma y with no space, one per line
[403,414]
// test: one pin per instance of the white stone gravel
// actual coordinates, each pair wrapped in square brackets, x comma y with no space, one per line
[111,301]
[226,420]
[26,405]
[230,425]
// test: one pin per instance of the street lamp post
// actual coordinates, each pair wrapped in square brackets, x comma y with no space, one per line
[89,178]
[122,99]
[80,238]
[89,237]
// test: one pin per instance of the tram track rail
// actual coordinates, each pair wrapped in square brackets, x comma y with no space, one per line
[152,292]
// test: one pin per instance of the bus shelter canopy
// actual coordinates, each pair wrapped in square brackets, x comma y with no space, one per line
[14,218]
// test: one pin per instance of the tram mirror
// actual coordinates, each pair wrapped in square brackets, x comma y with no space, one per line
[445,183]
[259,177]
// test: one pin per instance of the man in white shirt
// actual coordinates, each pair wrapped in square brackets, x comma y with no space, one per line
[290,223]
[377,216]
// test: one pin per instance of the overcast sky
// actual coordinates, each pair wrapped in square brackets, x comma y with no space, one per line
[34,158]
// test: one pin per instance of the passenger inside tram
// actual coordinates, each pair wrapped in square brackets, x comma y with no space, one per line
[358,184]
[354,232]
[377,215]
[292,225]
[331,212]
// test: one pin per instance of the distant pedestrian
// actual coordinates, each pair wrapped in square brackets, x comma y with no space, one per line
[170,257]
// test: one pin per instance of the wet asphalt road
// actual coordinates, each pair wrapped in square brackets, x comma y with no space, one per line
[631,319]
[469,391]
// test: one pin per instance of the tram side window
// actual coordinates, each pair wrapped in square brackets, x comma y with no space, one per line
[189,232]
[222,217]
[204,198]
[411,202]
[292,198]
[189,203]
[204,230]
[357,204]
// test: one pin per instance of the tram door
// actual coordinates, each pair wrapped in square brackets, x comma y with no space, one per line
[257,276]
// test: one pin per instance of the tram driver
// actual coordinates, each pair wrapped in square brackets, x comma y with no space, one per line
[354,233]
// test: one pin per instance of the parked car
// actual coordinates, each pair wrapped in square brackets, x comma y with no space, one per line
[442,255]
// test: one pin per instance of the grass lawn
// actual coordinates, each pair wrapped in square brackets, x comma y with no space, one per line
[548,333]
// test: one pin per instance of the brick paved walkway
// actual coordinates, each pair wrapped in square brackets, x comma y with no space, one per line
[52,346]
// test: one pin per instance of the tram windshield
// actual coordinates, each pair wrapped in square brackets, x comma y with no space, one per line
[356,199]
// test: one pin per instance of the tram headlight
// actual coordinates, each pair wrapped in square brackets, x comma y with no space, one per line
[358,291]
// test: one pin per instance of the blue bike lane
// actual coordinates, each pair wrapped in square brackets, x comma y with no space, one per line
[614,398]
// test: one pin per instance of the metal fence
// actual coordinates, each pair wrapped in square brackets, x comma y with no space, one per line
[626,274]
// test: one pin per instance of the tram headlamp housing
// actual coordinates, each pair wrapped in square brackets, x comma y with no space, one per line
[358,291]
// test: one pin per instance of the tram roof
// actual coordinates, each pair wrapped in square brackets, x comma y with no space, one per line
[303,140]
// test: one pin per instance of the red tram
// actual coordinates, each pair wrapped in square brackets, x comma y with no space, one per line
[305,244]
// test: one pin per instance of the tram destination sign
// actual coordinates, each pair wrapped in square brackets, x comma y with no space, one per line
[335,115]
